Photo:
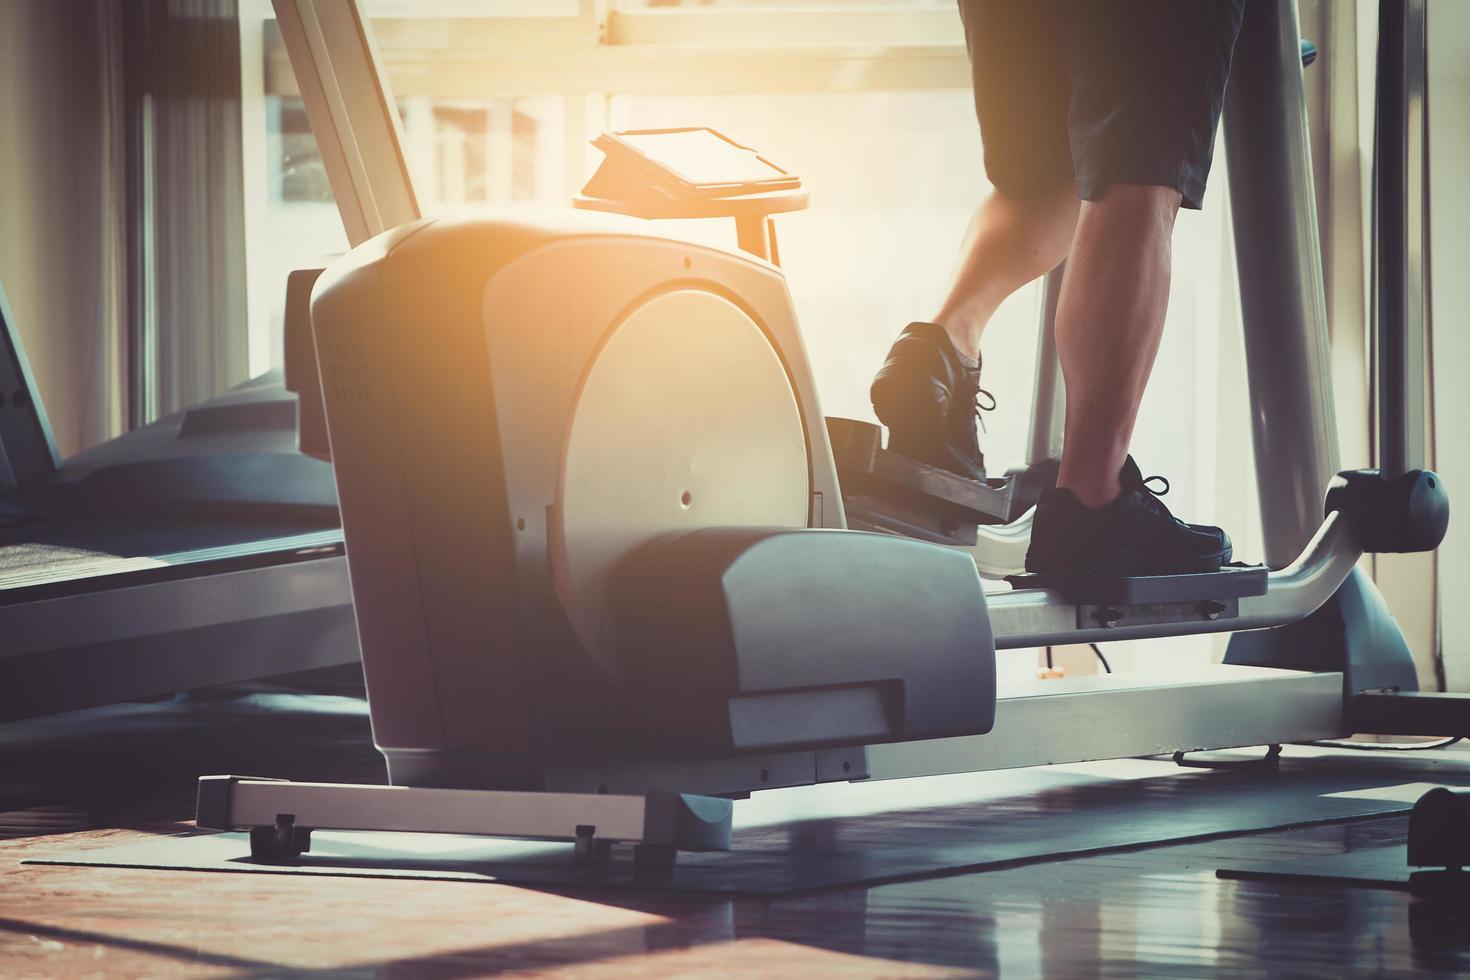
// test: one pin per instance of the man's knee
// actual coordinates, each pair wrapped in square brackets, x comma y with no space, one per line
[1136,205]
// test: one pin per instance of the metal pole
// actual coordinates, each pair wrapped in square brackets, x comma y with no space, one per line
[1048,403]
[1283,300]
[1398,189]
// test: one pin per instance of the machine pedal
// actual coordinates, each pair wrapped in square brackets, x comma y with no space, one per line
[867,512]
[891,492]
[1230,582]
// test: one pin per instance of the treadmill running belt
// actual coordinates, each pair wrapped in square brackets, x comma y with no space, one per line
[96,612]
[67,554]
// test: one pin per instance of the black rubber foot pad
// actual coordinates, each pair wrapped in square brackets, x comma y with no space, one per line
[1230,582]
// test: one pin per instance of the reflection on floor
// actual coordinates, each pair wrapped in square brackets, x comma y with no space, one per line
[125,774]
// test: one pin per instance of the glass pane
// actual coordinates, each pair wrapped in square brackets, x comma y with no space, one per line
[468,151]
[301,222]
[461,151]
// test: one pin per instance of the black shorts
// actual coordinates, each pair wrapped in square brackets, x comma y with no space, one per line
[1099,92]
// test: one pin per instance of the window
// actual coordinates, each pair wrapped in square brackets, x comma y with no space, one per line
[493,151]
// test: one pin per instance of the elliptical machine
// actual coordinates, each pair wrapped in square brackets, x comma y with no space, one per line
[602,557]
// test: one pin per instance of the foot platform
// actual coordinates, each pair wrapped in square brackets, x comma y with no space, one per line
[1230,582]
[884,491]
[1113,601]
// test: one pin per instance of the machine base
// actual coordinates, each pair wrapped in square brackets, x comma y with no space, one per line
[1353,632]
[281,815]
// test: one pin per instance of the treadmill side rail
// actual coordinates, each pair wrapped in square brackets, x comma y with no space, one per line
[232,615]
[680,821]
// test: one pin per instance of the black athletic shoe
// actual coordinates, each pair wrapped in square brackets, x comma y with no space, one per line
[1133,535]
[930,401]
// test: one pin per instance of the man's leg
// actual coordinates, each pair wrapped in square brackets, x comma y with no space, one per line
[1109,319]
[1010,242]
[926,390]
[1103,518]
[1147,82]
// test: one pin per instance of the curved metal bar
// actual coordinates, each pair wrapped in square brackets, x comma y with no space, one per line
[1040,617]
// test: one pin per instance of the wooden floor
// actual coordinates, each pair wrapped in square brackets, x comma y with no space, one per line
[1155,912]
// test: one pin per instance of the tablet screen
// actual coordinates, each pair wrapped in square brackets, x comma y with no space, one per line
[699,156]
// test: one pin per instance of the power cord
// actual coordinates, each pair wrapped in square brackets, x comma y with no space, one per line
[1107,667]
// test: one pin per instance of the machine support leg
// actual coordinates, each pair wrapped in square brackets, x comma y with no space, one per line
[753,235]
[1400,188]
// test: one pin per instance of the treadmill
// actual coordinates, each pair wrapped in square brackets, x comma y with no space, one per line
[202,549]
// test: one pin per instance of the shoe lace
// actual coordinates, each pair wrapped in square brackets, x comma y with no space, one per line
[988,405]
[1150,479]
[1155,504]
